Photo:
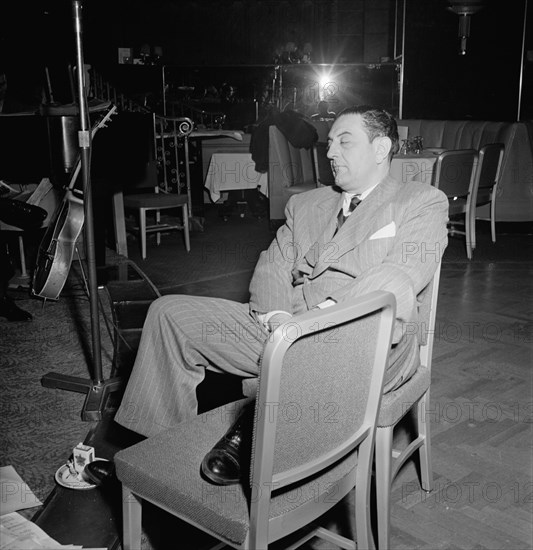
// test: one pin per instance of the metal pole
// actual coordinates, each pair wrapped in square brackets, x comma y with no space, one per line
[164,91]
[395,55]
[85,147]
[520,80]
[400,110]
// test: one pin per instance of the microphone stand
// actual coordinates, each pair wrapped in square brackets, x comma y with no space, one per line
[97,389]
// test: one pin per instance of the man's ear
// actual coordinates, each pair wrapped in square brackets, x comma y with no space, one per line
[382,147]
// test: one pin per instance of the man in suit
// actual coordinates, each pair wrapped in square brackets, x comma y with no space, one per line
[326,252]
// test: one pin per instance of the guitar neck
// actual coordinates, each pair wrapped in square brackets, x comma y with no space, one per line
[100,124]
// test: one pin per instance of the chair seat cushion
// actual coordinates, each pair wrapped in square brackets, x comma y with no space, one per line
[165,469]
[397,403]
[154,200]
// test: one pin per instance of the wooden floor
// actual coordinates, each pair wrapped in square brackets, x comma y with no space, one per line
[481,406]
[481,416]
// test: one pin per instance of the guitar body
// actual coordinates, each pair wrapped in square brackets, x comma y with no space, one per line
[59,242]
[57,248]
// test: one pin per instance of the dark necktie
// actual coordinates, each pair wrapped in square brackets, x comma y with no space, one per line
[341,218]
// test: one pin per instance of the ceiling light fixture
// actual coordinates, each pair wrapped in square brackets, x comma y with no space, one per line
[464,9]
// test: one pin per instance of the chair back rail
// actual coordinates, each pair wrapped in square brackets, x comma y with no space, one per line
[319,393]
[455,171]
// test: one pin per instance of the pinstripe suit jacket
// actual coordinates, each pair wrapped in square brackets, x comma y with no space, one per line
[392,241]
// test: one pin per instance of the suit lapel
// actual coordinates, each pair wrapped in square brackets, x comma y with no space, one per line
[358,225]
[322,227]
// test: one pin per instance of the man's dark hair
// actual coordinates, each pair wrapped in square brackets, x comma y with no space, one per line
[376,123]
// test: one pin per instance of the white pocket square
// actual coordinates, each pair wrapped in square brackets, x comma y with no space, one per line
[388,230]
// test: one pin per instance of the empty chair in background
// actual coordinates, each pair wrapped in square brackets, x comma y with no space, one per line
[154,200]
[454,175]
[486,186]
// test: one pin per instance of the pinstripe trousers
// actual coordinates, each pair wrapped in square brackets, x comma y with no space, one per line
[182,336]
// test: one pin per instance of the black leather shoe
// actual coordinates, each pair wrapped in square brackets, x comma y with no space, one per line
[222,464]
[12,312]
[99,472]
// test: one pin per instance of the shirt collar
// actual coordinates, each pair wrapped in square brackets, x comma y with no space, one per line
[347,197]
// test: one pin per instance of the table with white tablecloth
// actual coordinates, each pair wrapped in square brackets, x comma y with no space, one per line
[233,171]
[414,167]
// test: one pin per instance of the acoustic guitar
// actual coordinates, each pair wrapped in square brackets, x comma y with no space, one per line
[58,245]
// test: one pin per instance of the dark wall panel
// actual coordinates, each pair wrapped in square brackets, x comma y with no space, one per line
[484,83]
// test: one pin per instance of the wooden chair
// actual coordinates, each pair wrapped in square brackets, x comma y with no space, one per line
[454,174]
[486,186]
[155,199]
[395,406]
[319,392]
[170,135]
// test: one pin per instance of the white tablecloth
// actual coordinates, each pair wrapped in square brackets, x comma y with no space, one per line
[233,171]
[413,167]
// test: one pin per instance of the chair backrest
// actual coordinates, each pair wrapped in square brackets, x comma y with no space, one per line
[320,388]
[487,173]
[281,166]
[454,172]
[288,165]
[301,163]
[427,314]
[171,135]
[146,181]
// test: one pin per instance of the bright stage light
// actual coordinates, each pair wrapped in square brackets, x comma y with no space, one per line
[327,87]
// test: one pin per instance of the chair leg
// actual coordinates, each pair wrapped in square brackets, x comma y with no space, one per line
[473,228]
[363,479]
[383,483]
[131,520]
[23,273]
[185,215]
[142,228]
[493,218]
[158,222]
[426,472]
[468,236]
